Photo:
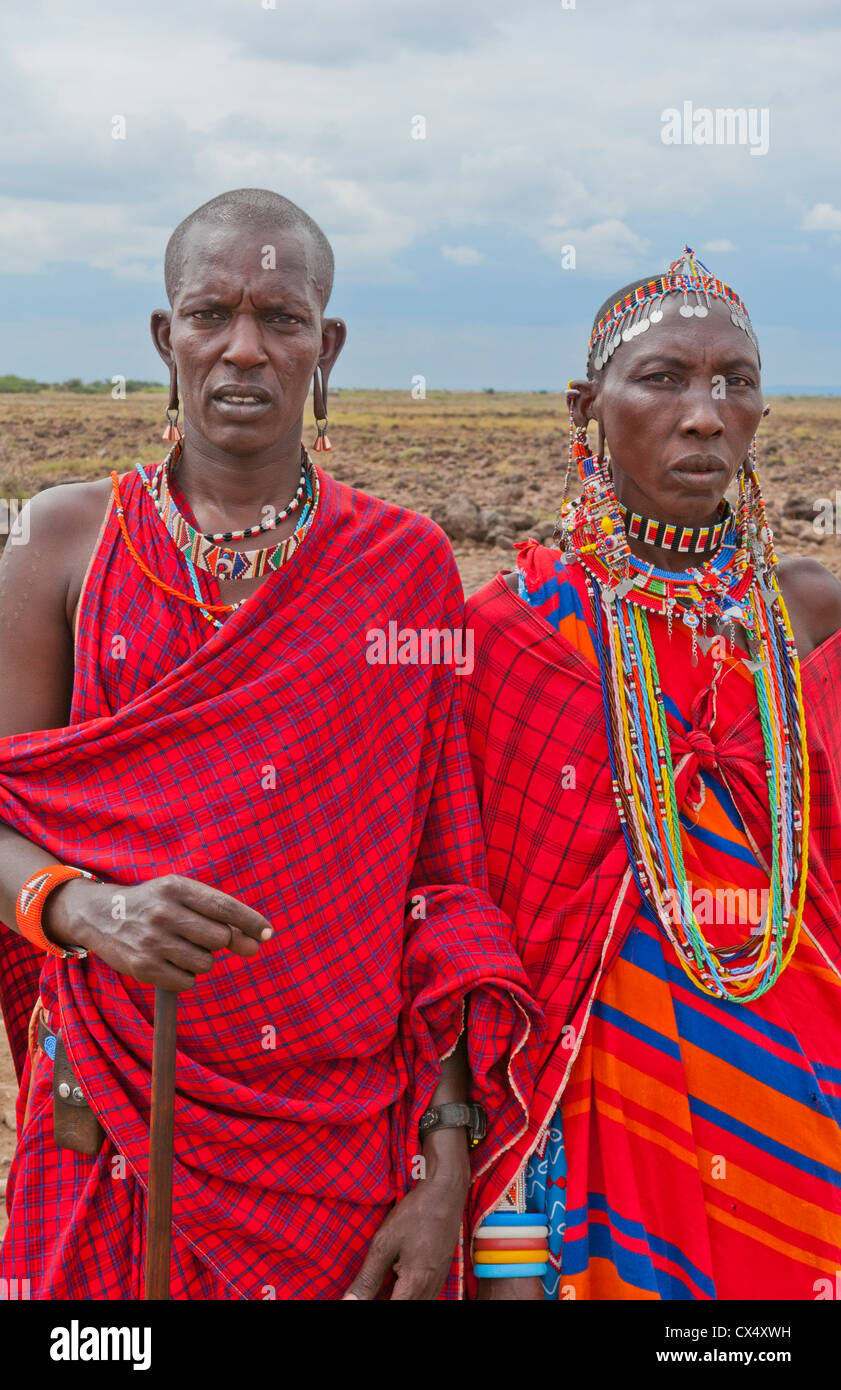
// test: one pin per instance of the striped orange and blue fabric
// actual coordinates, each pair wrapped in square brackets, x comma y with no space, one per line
[694,1151]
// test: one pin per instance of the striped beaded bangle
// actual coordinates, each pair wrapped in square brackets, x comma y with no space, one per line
[30,905]
[508,1271]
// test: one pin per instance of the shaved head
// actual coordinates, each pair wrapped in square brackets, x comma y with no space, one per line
[254,207]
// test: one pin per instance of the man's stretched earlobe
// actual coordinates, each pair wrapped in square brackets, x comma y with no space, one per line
[171,431]
[319,406]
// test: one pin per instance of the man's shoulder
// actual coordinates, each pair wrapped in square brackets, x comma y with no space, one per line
[71,502]
[64,521]
[65,516]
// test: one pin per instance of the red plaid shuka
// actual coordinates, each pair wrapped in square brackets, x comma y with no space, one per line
[271,760]
[557,861]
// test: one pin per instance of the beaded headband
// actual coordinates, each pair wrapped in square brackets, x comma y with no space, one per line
[643,306]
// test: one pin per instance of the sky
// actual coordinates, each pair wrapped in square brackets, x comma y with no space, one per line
[545,176]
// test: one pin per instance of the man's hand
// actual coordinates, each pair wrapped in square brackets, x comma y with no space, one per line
[530,1289]
[418,1237]
[167,929]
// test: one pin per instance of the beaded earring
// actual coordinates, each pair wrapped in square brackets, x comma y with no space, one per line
[599,512]
[171,431]
[319,405]
[566,507]
[752,526]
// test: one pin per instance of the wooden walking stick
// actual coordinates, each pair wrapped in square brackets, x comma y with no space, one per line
[162,1121]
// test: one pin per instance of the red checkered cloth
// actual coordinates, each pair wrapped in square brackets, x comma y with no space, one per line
[272,760]
[557,861]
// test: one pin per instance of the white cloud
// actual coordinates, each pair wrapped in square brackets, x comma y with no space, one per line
[462,255]
[823,217]
[106,236]
[514,160]
[604,248]
[242,95]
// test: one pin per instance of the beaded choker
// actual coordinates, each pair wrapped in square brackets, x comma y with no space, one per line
[686,540]
[205,552]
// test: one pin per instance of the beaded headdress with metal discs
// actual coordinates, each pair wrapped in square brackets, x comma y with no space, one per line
[596,524]
[737,584]
[643,306]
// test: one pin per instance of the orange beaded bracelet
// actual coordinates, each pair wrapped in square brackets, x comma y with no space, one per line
[30,905]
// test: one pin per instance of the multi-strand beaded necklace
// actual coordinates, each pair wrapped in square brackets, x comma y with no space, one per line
[205,550]
[737,586]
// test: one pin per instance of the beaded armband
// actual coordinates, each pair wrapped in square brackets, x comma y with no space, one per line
[30,906]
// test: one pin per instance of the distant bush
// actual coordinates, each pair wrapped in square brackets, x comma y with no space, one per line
[92,388]
[20,383]
[75,384]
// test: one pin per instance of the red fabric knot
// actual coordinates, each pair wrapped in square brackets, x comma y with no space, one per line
[700,744]
[703,747]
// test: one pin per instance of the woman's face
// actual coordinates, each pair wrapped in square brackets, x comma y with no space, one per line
[678,406]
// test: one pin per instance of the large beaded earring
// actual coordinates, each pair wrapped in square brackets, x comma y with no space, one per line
[575,438]
[602,514]
[752,526]
[171,431]
[761,524]
[742,521]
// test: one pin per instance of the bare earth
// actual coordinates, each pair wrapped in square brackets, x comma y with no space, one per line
[488,467]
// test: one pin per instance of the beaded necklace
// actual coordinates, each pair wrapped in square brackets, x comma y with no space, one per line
[733,587]
[686,540]
[167,468]
[204,551]
[206,609]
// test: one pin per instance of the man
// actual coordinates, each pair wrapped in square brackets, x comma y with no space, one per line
[277,826]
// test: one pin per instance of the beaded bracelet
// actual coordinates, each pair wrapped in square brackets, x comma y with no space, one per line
[509,1271]
[30,906]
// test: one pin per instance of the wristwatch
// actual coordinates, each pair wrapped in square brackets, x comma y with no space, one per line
[455,1115]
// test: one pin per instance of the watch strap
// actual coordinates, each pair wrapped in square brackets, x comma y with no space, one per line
[455,1115]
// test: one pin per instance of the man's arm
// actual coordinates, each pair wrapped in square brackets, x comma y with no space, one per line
[36,665]
[427,1221]
[173,924]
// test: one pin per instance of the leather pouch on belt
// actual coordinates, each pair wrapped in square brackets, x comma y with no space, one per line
[75,1125]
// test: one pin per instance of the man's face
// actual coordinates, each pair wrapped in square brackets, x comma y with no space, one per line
[239,328]
[679,406]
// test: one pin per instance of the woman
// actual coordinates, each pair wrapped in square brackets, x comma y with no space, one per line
[653,722]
